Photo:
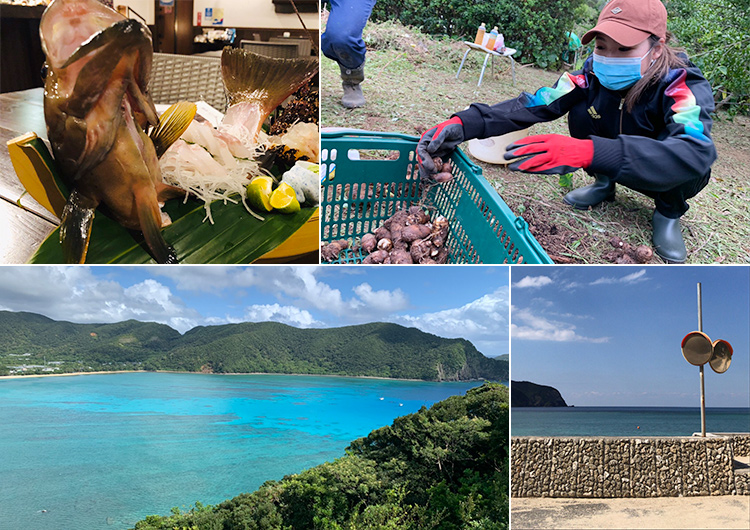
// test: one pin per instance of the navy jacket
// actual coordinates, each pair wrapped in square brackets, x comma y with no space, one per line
[664,142]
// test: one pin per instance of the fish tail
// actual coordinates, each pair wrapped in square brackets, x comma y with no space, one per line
[252,77]
[75,227]
[149,218]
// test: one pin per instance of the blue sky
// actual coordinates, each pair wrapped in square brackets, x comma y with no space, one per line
[467,301]
[610,336]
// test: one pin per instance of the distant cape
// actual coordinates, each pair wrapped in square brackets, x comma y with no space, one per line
[527,394]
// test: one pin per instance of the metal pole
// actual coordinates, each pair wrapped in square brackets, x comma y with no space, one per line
[703,388]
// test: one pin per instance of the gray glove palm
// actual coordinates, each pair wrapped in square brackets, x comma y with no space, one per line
[440,141]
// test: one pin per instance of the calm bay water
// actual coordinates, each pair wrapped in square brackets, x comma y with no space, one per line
[625,421]
[103,451]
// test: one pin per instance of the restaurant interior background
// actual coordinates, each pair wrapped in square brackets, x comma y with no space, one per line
[186,27]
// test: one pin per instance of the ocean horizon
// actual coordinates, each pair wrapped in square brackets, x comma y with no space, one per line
[626,421]
[103,451]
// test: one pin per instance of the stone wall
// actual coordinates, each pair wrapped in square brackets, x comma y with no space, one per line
[625,467]
[740,443]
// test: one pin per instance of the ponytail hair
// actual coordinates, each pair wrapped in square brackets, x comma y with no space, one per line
[668,60]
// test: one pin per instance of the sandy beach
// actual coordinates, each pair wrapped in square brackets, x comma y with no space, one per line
[719,512]
[16,376]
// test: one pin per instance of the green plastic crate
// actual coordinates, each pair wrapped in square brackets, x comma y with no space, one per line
[367,177]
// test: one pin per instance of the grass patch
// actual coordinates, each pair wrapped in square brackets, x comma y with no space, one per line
[411,85]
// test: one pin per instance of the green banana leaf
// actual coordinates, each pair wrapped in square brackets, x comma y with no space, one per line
[234,237]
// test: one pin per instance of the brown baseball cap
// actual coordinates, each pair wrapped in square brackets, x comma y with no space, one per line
[630,22]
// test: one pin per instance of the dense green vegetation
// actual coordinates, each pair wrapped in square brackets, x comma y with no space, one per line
[526,394]
[716,35]
[536,28]
[377,349]
[440,468]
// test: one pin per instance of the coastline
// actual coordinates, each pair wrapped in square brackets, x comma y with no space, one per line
[15,376]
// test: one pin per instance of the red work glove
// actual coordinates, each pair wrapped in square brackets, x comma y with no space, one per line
[440,141]
[550,154]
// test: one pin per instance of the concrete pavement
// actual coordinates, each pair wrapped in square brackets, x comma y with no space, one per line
[682,513]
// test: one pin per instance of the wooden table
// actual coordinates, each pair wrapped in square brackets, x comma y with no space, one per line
[24,227]
[507,52]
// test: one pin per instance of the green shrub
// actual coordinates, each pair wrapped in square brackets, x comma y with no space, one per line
[716,35]
[536,28]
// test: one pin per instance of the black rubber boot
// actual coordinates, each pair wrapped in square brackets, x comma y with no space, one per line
[352,77]
[667,238]
[603,189]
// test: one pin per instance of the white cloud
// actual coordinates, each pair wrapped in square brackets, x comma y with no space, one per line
[290,315]
[528,326]
[634,277]
[75,294]
[207,279]
[304,287]
[382,301]
[533,281]
[484,322]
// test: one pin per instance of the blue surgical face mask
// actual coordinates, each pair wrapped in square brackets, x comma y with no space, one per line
[618,73]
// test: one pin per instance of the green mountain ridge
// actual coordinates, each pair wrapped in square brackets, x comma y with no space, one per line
[376,349]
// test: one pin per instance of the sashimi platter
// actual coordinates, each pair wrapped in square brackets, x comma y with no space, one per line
[135,182]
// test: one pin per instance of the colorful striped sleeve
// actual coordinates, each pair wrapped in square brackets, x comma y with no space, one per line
[548,95]
[685,109]
[547,104]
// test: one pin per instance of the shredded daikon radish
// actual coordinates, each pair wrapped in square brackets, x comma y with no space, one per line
[192,168]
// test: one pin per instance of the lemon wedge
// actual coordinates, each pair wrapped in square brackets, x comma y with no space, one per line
[259,193]
[284,199]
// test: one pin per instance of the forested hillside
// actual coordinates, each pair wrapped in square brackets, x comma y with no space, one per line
[377,349]
[444,468]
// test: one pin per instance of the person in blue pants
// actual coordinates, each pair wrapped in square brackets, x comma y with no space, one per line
[342,42]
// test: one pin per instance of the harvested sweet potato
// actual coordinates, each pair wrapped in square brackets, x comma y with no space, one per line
[442,256]
[331,251]
[417,216]
[376,257]
[368,243]
[413,232]
[397,230]
[399,257]
[400,244]
[382,233]
[644,253]
[385,244]
[439,231]
[421,249]
[408,236]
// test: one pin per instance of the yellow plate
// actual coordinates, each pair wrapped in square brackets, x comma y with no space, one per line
[303,241]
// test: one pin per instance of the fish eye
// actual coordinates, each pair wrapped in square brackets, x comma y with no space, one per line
[44,71]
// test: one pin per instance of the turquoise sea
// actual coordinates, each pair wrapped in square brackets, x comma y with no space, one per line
[625,421]
[103,451]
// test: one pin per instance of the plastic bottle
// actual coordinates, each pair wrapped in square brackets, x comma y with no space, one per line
[480,35]
[493,37]
[500,43]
